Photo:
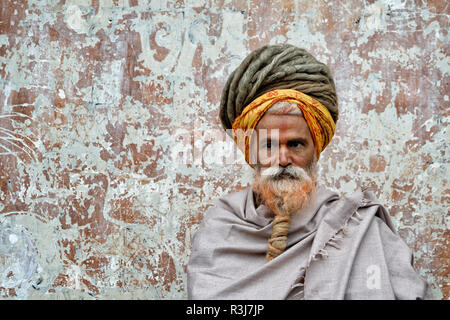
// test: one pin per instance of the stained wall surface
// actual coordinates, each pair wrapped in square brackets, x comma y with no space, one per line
[111,148]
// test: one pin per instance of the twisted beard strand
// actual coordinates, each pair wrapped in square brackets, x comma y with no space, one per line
[284,191]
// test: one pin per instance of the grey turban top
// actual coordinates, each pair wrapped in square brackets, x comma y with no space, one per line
[276,67]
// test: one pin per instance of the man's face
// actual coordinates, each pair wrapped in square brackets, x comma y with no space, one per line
[286,173]
[285,141]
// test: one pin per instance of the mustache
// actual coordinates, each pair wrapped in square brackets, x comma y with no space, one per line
[278,173]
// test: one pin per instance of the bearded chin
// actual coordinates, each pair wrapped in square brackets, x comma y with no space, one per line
[286,193]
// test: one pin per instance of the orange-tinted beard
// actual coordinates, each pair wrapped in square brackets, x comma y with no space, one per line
[286,195]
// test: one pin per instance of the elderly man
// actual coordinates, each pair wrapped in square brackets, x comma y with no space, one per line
[286,237]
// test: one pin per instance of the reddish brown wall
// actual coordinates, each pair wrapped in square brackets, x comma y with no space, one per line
[95,95]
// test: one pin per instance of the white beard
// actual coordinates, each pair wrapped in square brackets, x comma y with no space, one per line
[285,190]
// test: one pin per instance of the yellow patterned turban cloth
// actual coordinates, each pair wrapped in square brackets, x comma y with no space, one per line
[319,120]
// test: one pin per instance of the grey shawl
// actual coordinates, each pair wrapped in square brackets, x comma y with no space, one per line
[338,248]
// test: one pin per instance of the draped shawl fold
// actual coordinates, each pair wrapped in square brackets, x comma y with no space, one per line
[338,248]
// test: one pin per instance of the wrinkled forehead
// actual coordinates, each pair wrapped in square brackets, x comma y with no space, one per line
[282,115]
[292,121]
[284,108]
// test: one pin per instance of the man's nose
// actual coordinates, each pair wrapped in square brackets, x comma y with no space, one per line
[284,158]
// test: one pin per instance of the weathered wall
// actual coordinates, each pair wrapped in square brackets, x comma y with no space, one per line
[96,93]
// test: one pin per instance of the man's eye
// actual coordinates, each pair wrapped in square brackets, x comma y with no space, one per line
[295,144]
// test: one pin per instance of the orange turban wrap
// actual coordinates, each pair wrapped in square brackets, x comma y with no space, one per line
[317,116]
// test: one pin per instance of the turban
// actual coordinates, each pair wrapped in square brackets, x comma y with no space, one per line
[275,68]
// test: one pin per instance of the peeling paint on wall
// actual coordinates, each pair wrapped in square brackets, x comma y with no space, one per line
[95,204]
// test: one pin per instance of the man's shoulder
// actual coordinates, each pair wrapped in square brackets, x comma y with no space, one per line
[235,195]
[358,205]
[233,199]
[364,195]
[231,202]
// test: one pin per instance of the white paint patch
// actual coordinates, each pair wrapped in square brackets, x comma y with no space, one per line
[372,21]
[407,58]
[13,238]
[442,62]
[61,94]
[4,41]
[432,27]
[75,21]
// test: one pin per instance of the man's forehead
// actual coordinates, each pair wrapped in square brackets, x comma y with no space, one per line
[282,127]
[282,122]
[284,108]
